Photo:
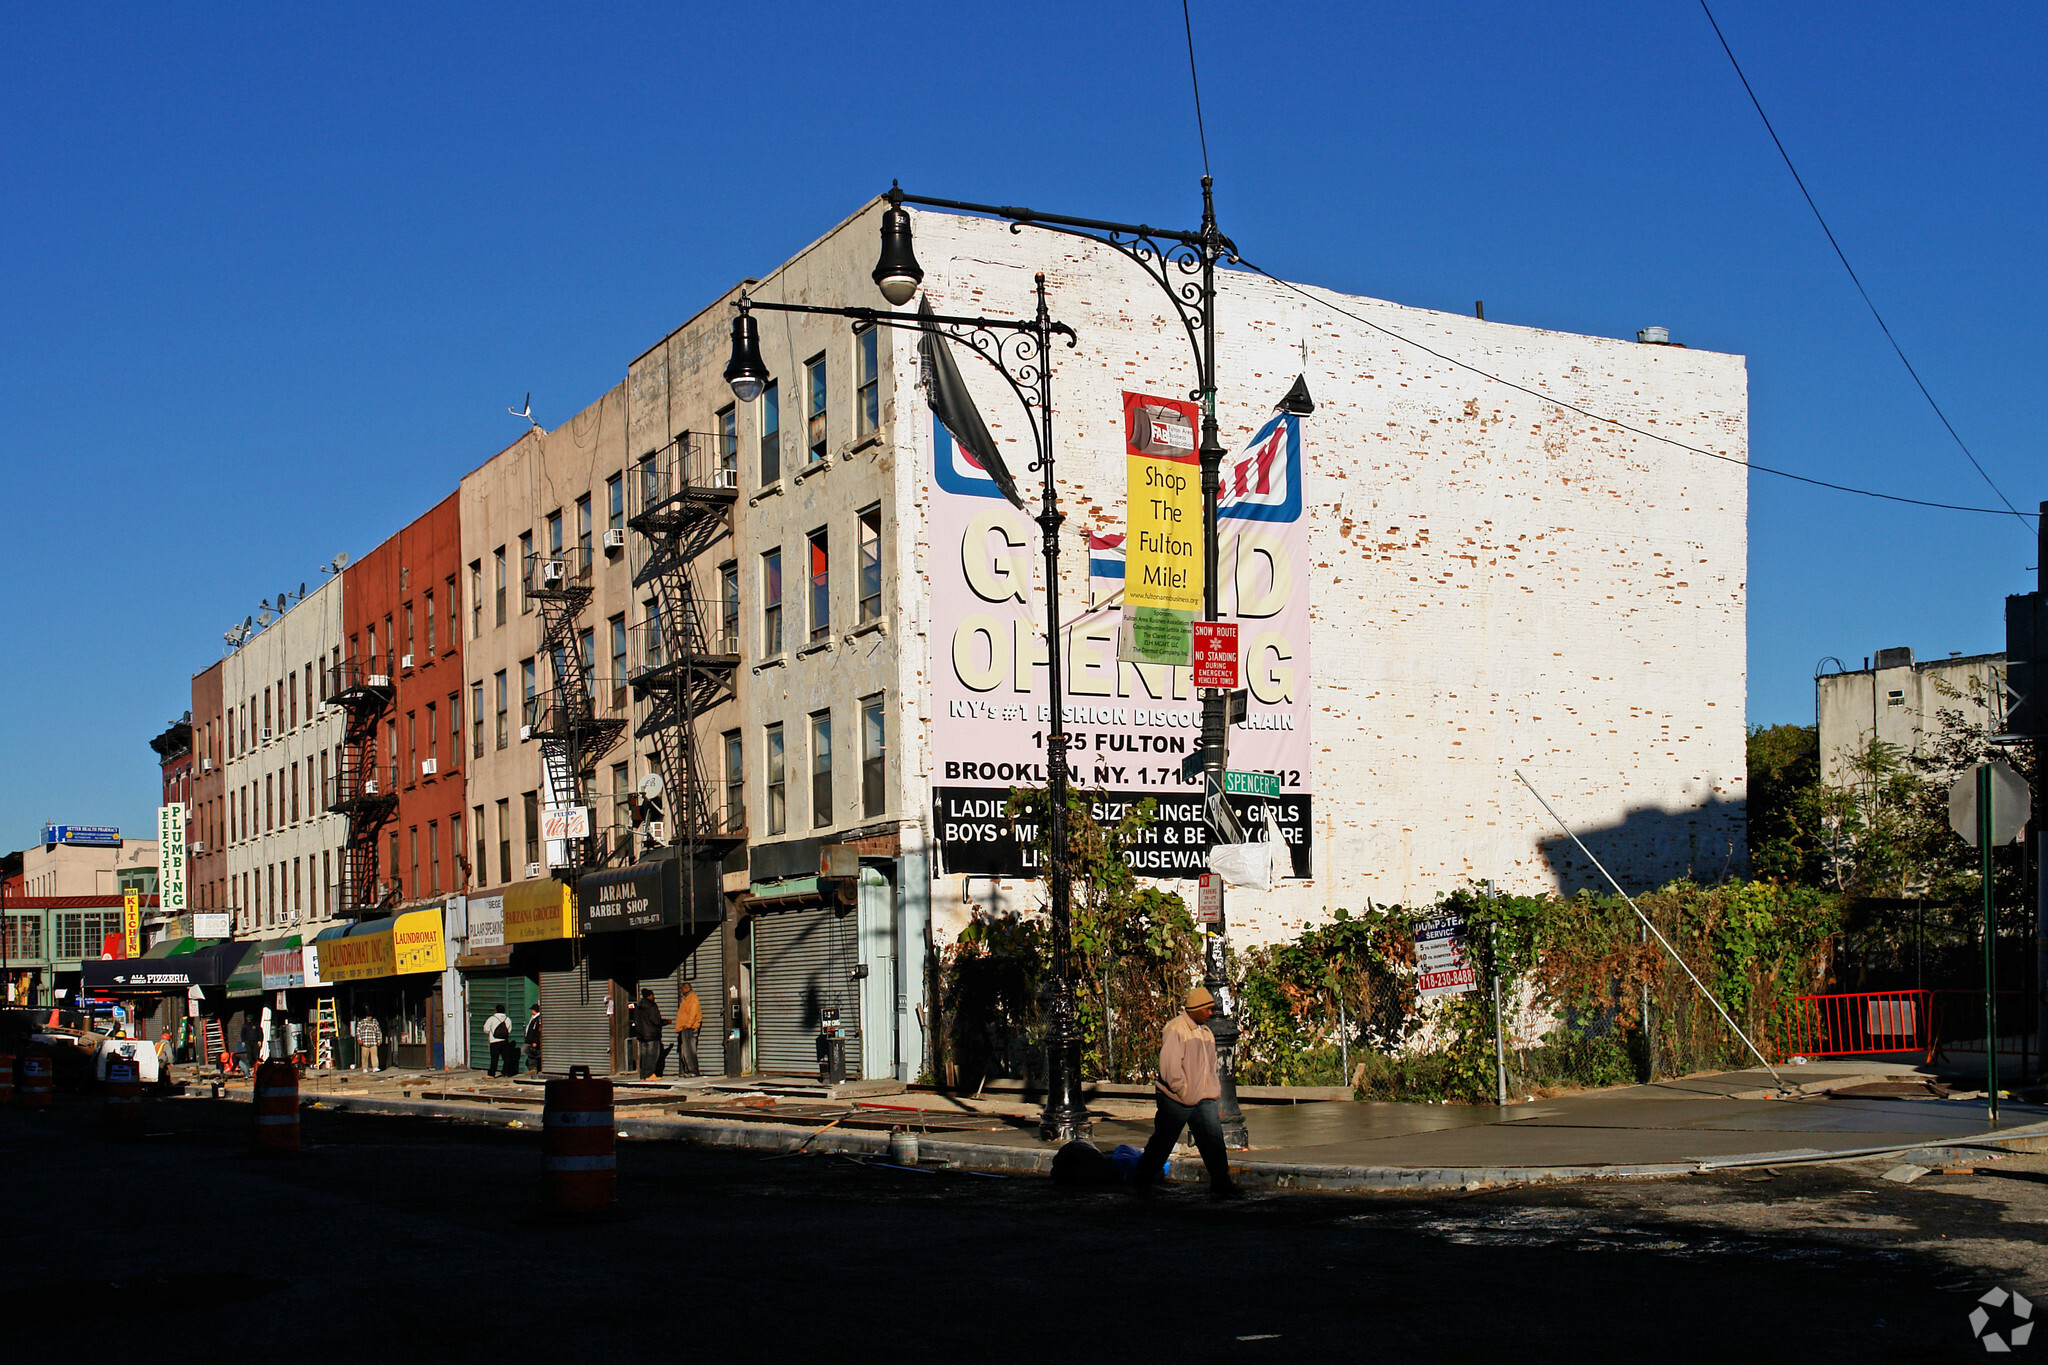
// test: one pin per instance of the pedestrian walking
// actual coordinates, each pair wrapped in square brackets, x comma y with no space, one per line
[1187,1091]
[647,1024]
[689,1018]
[504,1052]
[369,1037]
[533,1039]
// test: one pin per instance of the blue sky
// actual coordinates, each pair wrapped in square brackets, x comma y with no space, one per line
[272,278]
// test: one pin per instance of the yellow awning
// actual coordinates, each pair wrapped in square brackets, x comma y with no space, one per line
[539,910]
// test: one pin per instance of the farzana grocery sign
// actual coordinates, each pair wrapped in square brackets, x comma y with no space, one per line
[1131,725]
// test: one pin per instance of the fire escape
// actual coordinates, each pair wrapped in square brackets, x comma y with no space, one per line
[364,791]
[573,734]
[685,663]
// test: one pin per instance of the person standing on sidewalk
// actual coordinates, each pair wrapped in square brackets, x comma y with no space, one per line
[689,1018]
[369,1041]
[647,1024]
[1187,1091]
[504,1052]
[533,1039]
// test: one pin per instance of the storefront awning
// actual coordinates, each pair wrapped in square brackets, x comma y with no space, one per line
[173,947]
[398,946]
[205,965]
[284,964]
[539,910]
[247,977]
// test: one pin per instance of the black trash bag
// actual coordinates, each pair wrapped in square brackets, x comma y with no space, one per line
[1082,1165]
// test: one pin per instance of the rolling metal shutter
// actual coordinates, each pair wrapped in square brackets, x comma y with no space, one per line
[803,961]
[704,968]
[512,993]
[574,1029]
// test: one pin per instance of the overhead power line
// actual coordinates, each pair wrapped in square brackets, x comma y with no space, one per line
[1188,22]
[1555,401]
[1843,257]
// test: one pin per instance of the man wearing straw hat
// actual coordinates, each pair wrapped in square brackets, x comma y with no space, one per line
[1187,1091]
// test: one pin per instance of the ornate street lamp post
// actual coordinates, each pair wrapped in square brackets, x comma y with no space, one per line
[1183,264]
[1020,350]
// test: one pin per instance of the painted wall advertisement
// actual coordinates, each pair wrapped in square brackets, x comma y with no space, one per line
[1131,711]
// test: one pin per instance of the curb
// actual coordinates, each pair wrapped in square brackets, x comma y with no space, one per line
[998,1160]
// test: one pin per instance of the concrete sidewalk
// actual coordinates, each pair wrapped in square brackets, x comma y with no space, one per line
[1667,1128]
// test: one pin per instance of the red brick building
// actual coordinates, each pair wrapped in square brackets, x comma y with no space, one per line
[401,617]
[206,817]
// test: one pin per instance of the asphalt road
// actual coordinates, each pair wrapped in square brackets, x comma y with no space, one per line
[412,1238]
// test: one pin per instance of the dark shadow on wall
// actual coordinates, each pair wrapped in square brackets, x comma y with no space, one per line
[1648,848]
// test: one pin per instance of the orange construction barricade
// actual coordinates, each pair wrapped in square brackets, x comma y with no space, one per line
[579,1144]
[277,1108]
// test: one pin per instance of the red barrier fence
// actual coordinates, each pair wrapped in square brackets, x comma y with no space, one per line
[1865,1024]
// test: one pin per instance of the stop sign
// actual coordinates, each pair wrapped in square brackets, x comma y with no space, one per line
[2011,804]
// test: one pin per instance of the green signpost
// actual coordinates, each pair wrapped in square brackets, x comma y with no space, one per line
[1250,784]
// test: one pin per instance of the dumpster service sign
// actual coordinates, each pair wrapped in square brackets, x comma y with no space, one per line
[1443,966]
[1133,716]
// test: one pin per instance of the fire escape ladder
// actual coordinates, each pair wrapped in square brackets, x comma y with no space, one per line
[682,507]
[574,732]
[363,791]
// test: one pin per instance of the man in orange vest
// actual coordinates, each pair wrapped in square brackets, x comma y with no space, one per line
[689,1018]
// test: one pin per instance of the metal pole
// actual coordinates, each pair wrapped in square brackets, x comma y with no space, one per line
[1990,942]
[1500,1046]
[1215,701]
[1343,1038]
[1649,1030]
[1066,1113]
[2041,945]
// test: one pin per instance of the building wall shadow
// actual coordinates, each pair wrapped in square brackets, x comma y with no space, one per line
[1647,848]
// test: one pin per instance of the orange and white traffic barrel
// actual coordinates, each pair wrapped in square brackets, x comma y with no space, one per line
[37,1085]
[579,1160]
[277,1108]
[121,1099]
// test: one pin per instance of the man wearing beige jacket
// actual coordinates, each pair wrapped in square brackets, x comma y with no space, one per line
[1187,1091]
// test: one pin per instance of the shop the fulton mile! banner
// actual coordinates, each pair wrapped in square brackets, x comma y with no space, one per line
[1163,531]
[1130,724]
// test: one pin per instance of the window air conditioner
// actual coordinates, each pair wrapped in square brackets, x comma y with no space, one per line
[552,572]
[369,786]
[263,734]
[532,870]
[380,680]
[199,848]
[429,766]
[614,540]
[525,733]
[206,765]
[405,661]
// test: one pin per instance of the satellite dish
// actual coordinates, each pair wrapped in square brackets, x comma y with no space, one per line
[302,589]
[248,621]
[650,786]
[280,601]
[264,604]
[341,561]
[264,618]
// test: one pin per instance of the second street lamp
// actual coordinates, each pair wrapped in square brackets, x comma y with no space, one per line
[1020,350]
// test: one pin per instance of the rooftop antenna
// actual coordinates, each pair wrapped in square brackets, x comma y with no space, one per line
[527,413]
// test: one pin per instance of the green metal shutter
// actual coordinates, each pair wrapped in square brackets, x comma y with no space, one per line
[511,992]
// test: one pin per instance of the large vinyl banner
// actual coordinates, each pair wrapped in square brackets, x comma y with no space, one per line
[1130,726]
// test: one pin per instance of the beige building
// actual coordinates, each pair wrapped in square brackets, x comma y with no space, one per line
[1899,700]
[66,869]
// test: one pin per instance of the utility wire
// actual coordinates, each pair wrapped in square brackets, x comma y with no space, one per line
[1188,21]
[1843,257]
[1554,400]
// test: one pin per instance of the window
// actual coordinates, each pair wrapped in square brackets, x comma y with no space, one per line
[771,603]
[326,881]
[326,791]
[391,647]
[870,565]
[483,862]
[269,803]
[1895,698]
[554,528]
[454,735]
[295,793]
[433,857]
[498,578]
[728,609]
[735,784]
[434,735]
[583,536]
[531,809]
[503,701]
[653,631]
[771,434]
[867,396]
[821,769]
[415,883]
[430,624]
[298,888]
[618,634]
[266,710]
[476,599]
[873,750]
[814,385]
[778,801]
[294,705]
[79,934]
[409,636]
[525,575]
[526,689]
[622,809]
[586,647]
[821,587]
[615,502]
[504,840]
[728,436]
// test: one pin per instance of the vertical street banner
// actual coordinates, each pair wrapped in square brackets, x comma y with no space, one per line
[1163,531]
[131,923]
[1131,723]
[170,858]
